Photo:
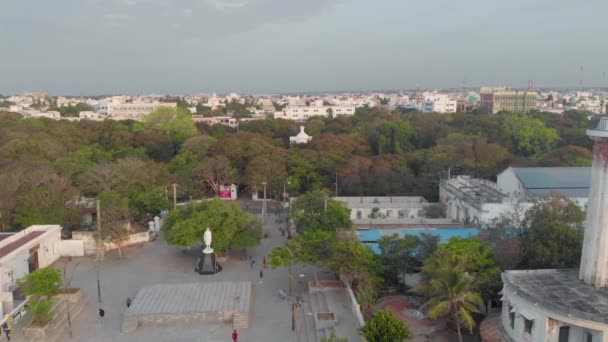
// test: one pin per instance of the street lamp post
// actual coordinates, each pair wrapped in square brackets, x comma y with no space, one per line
[264,203]
[174,195]
[293,303]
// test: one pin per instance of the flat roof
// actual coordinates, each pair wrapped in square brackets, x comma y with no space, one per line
[555,178]
[12,246]
[189,298]
[560,291]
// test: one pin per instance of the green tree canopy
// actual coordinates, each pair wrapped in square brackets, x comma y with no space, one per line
[552,234]
[185,226]
[309,212]
[384,327]
[450,290]
[479,262]
[174,122]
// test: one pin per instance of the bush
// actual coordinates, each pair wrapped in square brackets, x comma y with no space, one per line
[40,285]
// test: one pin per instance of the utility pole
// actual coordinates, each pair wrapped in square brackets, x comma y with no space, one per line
[264,203]
[293,304]
[99,248]
[174,195]
[336,183]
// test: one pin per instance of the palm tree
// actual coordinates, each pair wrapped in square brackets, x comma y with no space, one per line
[450,290]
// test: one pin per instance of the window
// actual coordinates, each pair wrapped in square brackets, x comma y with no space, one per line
[588,337]
[528,325]
[359,214]
[511,317]
[401,213]
[564,334]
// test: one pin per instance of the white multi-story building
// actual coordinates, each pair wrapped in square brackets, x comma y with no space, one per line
[90,115]
[217,120]
[303,113]
[439,103]
[122,108]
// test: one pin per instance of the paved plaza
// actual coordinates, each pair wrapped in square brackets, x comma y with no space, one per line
[157,263]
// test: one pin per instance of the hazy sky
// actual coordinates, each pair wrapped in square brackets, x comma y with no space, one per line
[256,46]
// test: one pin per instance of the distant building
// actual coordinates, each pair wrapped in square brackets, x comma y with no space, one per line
[303,113]
[464,106]
[90,115]
[217,120]
[300,138]
[439,103]
[120,108]
[500,99]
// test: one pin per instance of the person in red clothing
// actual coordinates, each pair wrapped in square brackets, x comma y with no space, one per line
[235,336]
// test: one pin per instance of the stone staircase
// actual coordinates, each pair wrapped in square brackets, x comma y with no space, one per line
[54,330]
[240,320]
[319,304]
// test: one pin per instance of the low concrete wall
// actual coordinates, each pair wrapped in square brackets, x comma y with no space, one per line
[74,248]
[354,306]
[90,245]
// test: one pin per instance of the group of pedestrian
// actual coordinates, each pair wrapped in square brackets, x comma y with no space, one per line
[6,327]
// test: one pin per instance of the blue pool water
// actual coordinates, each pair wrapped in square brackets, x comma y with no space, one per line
[370,236]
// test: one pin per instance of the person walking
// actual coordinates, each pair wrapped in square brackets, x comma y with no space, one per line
[261,273]
[252,262]
[235,336]
[7,327]
[128,302]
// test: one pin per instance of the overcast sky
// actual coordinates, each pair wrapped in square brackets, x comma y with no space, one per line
[257,46]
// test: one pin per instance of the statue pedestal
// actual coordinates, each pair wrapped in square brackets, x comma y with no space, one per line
[207,263]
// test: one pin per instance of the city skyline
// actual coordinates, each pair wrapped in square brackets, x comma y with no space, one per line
[248,46]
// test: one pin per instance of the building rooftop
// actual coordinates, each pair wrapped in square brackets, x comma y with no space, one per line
[475,190]
[560,291]
[14,245]
[541,181]
[382,201]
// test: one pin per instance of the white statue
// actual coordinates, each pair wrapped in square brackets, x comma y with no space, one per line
[207,239]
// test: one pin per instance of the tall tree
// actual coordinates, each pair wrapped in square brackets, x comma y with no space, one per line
[216,171]
[552,234]
[176,123]
[185,226]
[451,291]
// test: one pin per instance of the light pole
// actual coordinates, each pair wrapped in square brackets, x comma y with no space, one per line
[264,203]
[290,275]
[100,247]
[174,195]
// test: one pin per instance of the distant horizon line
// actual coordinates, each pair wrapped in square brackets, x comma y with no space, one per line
[319,92]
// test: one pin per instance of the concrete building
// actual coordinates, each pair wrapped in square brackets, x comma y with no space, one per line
[300,138]
[404,208]
[90,115]
[567,305]
[122,108]
[303,113]
[500,99]
[530,184]
[438,103]
[24,252]
[476,201]
[217,120]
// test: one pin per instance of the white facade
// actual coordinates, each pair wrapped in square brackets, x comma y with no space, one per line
[385,207]
[300,138]
[119,108]
[90,115]
[217,120]
[594,260]
[303,113]
[511,183]
[439,103]
[22,252]
[520,311]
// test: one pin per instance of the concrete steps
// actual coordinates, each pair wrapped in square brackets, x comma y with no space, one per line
[240,321]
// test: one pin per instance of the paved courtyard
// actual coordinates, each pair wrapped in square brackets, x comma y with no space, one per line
[158,263]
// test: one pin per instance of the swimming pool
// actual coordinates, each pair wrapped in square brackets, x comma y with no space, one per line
[370,236]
